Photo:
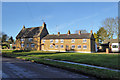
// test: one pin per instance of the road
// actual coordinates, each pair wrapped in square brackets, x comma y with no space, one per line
[15,68]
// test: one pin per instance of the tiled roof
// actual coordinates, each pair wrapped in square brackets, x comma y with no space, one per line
[29,32]
[70,36]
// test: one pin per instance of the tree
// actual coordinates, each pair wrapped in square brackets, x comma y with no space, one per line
[4,37]
[111,26]
[11,40]
[82,31]
[101,34]
[96,38]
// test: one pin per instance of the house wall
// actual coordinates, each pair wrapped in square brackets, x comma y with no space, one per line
[25,42]
[46,46]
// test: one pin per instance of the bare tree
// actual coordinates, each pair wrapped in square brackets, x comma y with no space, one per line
[111,26]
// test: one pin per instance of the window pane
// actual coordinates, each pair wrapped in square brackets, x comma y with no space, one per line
[73,40]
[56,46]
[43,41]
[51,46]
[56,41]
[62,40]
[51,41]
[79,46]
[61,46]
[73,46]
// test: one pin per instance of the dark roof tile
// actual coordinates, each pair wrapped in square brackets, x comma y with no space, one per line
[29,32]
[70,36]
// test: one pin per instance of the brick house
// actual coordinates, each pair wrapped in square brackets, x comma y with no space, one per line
[30,38]
[81,42]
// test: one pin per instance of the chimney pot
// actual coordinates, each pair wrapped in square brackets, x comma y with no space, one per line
[79,32]
[68,32]
[91,31]
[58,33]
[23,27]
[44,25]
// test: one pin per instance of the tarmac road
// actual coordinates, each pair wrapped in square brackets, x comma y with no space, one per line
[15,68]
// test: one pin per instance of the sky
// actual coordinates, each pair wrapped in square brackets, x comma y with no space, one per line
[59,16]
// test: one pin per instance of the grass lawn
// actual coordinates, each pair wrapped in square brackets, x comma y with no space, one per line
[105,60]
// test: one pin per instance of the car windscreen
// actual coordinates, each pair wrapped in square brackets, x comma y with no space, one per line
[114,46]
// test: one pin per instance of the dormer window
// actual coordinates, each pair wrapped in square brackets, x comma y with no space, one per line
[84,40]
[73,40]
[22,40]
[30,39]
[51,41]
[61,40]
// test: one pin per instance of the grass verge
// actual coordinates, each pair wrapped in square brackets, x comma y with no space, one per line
[39,57]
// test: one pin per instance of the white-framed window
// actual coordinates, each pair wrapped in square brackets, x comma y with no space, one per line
[61,40]
[51,46]
[43,40]
[30,39]
[79,46]
[22,40]
[73,40]
[84,46]
[56,41]
[51,40]
[61,46]
[73,46]
[56,46]
[84,40]
[32,45]
[22,45]
[27,45]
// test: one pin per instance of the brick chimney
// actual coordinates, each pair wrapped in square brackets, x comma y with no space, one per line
[91,31]
[68,32]
[58,33]
[44,25]
[23,27]
[79,32]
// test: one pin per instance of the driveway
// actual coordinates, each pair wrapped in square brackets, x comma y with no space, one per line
[15,68]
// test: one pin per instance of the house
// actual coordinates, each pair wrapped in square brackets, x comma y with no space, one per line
[81,42]
[30,38]
[108,44]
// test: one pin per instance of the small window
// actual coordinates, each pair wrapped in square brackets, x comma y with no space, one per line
[79,46]
[61,46]
[84,40]
[43,40]
[32,45]
[27,45]
[51,41]
[51,46]
[61,40]
[73,40]
[22,45]
[56,41]
[30,39]
[56,46]
[84,46]
[22,40]
[73,46]
[67,46]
